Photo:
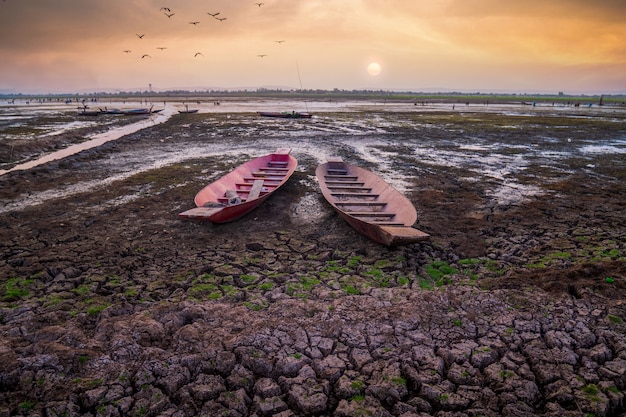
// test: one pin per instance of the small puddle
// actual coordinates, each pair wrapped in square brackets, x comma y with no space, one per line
[96,140]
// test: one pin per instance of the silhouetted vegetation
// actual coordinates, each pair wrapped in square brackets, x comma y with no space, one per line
[319,94]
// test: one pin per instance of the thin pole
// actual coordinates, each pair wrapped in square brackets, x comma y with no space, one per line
[301,89]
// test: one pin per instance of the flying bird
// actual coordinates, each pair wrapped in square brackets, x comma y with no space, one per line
[145,56]
[162,48]
[198,53]
[261,55]
[193,23]
[221,19]
[279,41]
[169,15]
[259,4]
[167,9]
[127,51]
[141,36]
[212,14]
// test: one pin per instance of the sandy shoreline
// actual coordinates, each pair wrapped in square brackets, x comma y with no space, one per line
[111,305]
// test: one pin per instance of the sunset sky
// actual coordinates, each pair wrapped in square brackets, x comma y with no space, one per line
[532,46]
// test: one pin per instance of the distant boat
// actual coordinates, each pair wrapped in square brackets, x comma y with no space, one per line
[286,114]
[368,203]
[89,113]
[243,189]
[85,112]
[187,111]
[140,111]
[132,112]
[112,111]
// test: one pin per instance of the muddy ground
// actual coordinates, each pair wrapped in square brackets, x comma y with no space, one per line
[112,305]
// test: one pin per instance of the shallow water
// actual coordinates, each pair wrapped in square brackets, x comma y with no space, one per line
[95,139]
[370,137]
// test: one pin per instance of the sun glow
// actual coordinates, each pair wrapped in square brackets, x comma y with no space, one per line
[374,69]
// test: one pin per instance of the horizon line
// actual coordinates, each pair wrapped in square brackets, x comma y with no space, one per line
[276,90]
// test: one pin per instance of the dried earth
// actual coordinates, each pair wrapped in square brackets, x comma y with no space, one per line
[112,306]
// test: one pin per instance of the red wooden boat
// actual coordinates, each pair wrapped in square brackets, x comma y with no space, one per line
[243,189]
[368,203]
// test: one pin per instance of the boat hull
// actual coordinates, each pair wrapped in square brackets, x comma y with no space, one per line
[286,115]
[242,190]
[135,112]
[139,112]
[369,204]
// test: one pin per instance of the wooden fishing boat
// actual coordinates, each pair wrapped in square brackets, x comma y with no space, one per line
[140,111]
[89,113]
[135,112]
[243,189]
[368,203]
[286,114]
[112,111]
[188,110]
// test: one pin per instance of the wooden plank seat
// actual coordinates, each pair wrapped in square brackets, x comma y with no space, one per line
[267,174]
[277,163]
[354,195]
[350,188]
[333,183]
[251,183]
[275,180]
[341,177]
[361,203]
[273,169]
[331,171]
[370,214]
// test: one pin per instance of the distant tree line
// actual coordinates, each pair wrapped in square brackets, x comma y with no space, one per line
[313,93]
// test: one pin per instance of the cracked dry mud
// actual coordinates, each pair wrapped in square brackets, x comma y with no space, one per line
[112,306]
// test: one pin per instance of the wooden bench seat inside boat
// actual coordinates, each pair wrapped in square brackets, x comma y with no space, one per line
[354,195]
[337,172]
[361,203]
[276,175]
[370,214]
[338,183]
[277,163]
[341,177]
[350,188]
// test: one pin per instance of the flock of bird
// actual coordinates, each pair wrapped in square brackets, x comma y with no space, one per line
[215,15]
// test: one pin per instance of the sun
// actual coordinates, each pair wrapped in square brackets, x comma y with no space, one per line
[374,69]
